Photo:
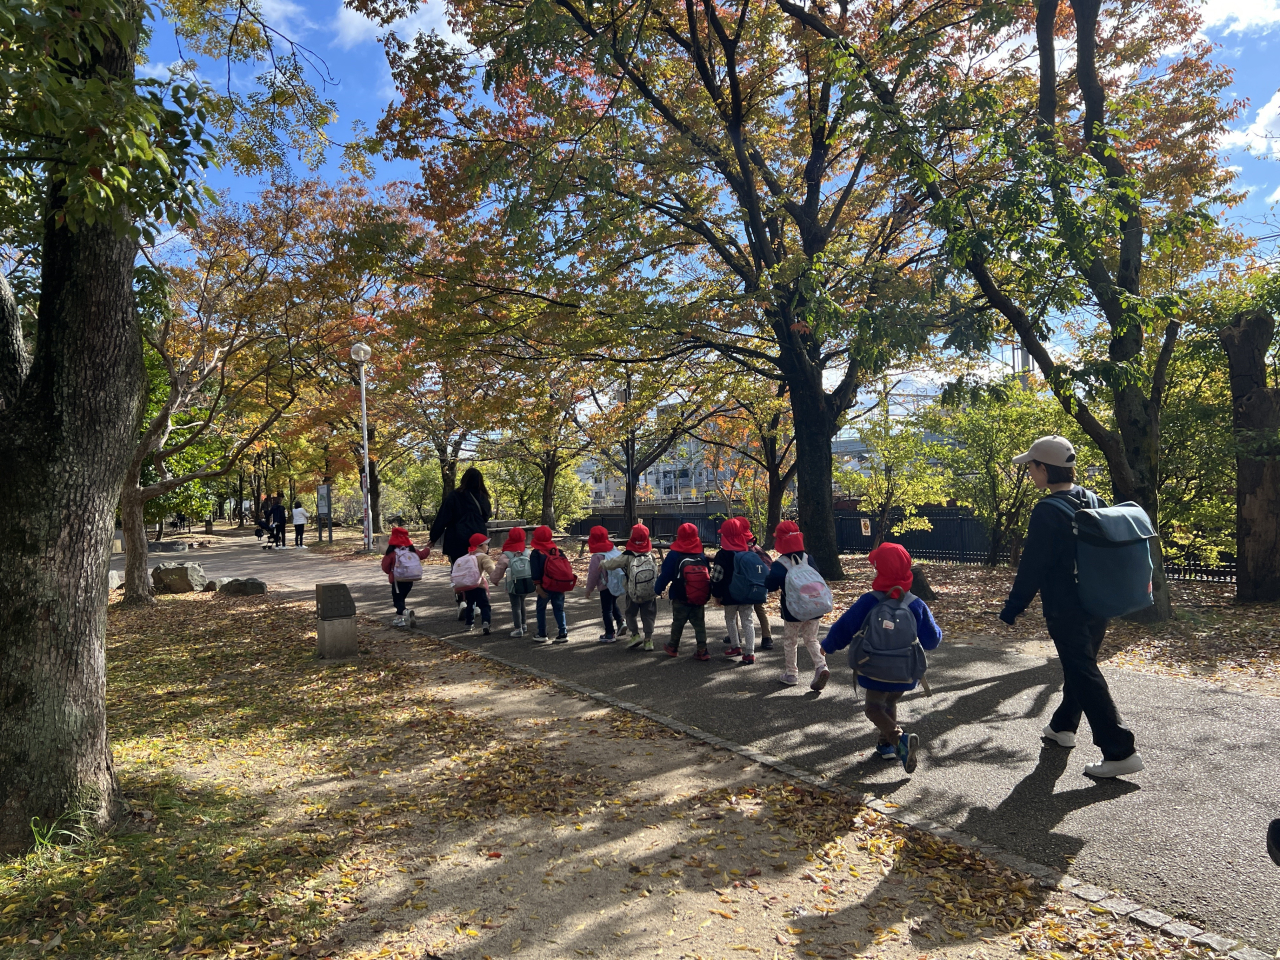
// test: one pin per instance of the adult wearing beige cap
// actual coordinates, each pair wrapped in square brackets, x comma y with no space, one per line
[1047,566]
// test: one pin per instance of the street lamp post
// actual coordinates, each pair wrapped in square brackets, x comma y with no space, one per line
[361,354]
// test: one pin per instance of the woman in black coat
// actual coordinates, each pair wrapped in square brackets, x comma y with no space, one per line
[465,511]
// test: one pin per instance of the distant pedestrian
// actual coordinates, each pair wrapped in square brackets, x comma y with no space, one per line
[1047,566]
[515,570]
[299,522]
[737,583]
[889,629]
[610,583]
[554,577]
[278,521]
[465,511]
[402,563]
[641,573]
[468,578]
[687,573]
[762,615]
[806,599]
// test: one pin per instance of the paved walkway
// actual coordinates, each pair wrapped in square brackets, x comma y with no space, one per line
[1185,836]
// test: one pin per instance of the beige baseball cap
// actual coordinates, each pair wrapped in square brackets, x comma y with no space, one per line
[1053,449]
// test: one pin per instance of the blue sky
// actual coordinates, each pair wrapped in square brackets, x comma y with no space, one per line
[1247,30]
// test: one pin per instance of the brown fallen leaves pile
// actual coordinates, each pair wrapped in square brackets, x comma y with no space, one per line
[422,803]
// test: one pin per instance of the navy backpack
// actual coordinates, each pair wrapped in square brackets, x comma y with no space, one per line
[1113,556]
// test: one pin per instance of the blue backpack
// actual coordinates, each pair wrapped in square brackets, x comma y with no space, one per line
[1113,556]
[749,572]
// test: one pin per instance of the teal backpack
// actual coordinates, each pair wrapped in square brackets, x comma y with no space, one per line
[1113,556]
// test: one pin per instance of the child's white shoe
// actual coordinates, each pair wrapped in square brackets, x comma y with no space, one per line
[790,679]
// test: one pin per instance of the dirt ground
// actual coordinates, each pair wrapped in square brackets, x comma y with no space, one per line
[422,802]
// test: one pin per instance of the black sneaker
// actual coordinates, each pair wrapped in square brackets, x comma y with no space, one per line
[766,644]
[561,638]
[540,638]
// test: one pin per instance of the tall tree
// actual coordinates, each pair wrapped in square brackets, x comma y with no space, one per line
[92,158]
[702,155]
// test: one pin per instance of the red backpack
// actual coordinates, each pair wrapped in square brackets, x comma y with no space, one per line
[557,574]
[696,576]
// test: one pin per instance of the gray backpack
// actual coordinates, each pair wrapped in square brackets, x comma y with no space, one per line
[887,648]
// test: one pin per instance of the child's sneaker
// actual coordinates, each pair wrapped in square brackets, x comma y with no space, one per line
[472,627]
[648,644]
[462,609]
[820,678]
[748,658]
[413,619]
[561,638]
[790,679]
[605,638]
[397,621]
[540,638]
[702,655]
[670,650]
[733,652]
[485,629]
[886,751]
[518,632]
[766,643]
[636,644]
[907,746]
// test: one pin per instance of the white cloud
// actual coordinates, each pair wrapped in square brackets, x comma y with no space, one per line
[1275,196]
[1262,137]
[286,16]
[353,28]
[1241,16]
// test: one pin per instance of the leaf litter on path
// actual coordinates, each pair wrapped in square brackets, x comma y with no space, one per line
[423,802]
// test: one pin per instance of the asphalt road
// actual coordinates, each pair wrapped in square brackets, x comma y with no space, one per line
[1186,835]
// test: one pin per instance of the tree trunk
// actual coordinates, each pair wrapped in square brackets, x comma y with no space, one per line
[1255,420]
[137,582]
[375,497]
[773,510]
[65,443]
[549,471]
[448,475]
[813,431]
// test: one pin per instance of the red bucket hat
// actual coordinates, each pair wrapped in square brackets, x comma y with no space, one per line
[687,539]
[598,540]
[787,537]
[515,541]
[399,537]
[542,539]
[733,534]
[639,542]
[893,568]
[477,541]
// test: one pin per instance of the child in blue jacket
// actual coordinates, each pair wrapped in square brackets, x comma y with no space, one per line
[893,578]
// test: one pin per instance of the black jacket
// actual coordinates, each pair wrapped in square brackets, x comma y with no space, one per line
[1048,562]
[461,515]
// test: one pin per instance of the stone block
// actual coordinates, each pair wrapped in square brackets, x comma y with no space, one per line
[1215,942]
[217,584]
[167,546]
[1120,906]
[1249,953]
[1150,918]
[336,639]
[115,579]
[174,577]
[244,587]
[1087,891]
[1183,931]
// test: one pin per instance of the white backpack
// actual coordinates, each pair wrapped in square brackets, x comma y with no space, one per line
[465,574]
[408,566]
[615,580]
[644,574]
[808,596]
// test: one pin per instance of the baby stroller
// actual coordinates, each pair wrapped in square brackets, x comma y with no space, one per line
[265,528]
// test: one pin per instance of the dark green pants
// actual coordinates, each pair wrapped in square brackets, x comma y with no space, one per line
[682,613]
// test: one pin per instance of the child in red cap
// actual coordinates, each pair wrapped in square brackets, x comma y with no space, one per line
[555,578]
[612,584]
[467,577]
[402,563]
[642,577]
[799,625]
[688,573]
[889,628]
[515,570]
